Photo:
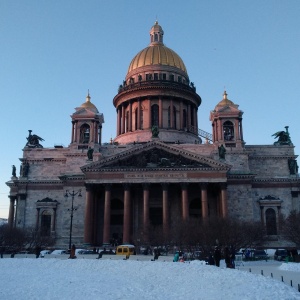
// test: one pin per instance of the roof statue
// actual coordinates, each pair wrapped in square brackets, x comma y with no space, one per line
[33,141]
[283,137]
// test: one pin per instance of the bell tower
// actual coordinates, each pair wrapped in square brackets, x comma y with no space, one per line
[86,126]
[226,121]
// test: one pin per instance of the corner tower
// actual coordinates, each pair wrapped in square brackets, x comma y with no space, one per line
[226,121]
[86,126]
[157,92]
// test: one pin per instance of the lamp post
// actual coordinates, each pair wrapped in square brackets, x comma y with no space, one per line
[73,194]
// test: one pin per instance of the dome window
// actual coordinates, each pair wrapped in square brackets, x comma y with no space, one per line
[155,76]
[154,115]
[179,79]
[148,76]
[171,77]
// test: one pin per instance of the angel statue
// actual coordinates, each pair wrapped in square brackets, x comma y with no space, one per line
[283,137]
[33,141]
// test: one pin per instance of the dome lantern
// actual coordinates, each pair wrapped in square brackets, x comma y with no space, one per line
[156,34]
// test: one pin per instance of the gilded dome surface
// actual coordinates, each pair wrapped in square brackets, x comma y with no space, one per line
[89,105]
[157,53]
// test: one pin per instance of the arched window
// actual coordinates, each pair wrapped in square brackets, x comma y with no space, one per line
[46,223]
[169,117]
[228,131]
[84,134]
[154,115]
[271,221]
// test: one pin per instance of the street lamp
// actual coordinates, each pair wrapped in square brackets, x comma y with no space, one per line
[73,194]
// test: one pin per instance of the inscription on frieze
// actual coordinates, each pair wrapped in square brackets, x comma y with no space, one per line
[148,176]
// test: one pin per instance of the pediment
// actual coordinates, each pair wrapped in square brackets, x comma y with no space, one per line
[155,155]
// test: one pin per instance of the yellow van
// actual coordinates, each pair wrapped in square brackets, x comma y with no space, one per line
[125,250]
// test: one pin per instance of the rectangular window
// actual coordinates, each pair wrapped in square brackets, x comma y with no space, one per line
[155,76]
[179,79]
[171,77]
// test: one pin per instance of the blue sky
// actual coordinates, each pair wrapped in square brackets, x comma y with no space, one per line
[52,52]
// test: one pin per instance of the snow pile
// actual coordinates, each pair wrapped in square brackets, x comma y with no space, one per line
[290,267]
[128,279]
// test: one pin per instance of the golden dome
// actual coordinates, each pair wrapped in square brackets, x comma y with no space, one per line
[89,105]
[225,101]
[157,53]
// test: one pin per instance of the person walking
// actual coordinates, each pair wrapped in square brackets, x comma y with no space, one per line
[227,257]
[217,256]
[72,252]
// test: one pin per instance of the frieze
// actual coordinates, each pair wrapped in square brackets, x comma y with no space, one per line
[153,175]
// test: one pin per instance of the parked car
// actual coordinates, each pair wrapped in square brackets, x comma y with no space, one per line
[126,250]
[87,252]
[281,254]
[58,252]
[44,252]
[106,251]
[259,255]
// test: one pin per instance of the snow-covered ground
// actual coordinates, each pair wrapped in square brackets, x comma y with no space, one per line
[26,278]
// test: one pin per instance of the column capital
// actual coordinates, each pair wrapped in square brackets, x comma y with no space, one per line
[223,185]
[203,185]
[88,187]
[165,186]
[107,186]
[146,186]
[126,186]
[184,185]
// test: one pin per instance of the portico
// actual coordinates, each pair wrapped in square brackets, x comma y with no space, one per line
[124,197]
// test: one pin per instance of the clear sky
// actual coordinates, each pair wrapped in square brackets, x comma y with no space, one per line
[52,52]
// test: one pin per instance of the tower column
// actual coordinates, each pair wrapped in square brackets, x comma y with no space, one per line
[139,115]
[127,214]
[236,130]
[130,117]
[241,129]
[171,114]
[185,202]
[118,121]
[107,213]
[195,120]
[181,116]
[189,116]
[160,107]
[123,120]
[73,129]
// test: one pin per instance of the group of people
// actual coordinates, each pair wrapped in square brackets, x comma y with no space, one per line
[216,256]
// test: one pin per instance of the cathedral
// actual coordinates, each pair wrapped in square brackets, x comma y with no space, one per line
[160,166]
